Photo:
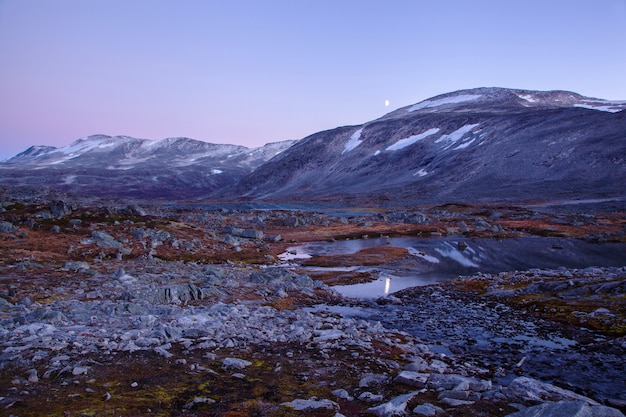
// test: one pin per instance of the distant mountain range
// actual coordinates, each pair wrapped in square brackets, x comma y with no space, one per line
[121,166]
[479,145]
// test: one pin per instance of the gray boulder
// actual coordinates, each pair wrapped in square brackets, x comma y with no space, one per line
[59,208]
[523,389]
[8,227]
[105,240]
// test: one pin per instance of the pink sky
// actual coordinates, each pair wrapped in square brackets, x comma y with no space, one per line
[249,72]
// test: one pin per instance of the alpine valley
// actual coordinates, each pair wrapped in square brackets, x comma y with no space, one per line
[462,256]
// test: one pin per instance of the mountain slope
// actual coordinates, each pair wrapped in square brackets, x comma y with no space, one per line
[122,166]
[486,144]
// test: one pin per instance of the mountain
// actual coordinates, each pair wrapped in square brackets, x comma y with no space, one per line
[122,166]
[479,145]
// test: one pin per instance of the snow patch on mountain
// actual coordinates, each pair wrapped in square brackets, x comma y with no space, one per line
[446,100]
[355,140]
[464,144]
[603,105]
[458,134]
[528,98]
[403,143]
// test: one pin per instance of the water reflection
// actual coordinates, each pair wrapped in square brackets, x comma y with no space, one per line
[439,259]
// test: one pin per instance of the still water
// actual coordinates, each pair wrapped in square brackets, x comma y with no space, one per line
[438,259]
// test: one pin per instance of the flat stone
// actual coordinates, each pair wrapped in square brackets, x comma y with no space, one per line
[79,370]
[312,404]
[428,410]
[413,379]
[528,389]
[452,402]
[235,363]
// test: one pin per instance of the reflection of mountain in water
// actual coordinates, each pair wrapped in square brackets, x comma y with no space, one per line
[438,259]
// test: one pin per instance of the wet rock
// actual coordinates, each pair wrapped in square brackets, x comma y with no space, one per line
[397,406]
[567,409]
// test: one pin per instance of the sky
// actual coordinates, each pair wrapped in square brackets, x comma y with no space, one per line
[253,72]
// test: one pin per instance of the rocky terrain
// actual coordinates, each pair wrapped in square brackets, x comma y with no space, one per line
[111,307]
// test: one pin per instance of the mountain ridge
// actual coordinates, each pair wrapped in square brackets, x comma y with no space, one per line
[482,144]
[123,166]
[475,145]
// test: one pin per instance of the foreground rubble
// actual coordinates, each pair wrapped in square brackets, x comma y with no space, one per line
[135,311]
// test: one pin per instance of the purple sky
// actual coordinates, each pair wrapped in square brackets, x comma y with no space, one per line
[252,72]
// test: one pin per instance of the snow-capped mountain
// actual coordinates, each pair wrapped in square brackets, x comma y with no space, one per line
[485,144]
[125,166]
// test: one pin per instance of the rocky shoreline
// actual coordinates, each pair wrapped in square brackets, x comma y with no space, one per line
[113,313]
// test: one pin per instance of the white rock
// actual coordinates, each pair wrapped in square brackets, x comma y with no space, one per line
[312,404]
[343,394]
[397,406]
[235,363]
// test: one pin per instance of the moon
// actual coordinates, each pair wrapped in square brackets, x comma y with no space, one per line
[386,103]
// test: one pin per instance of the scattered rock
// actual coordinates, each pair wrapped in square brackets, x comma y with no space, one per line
[395,407]
[312,404]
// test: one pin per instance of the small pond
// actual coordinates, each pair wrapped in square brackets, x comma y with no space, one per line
[438,259]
